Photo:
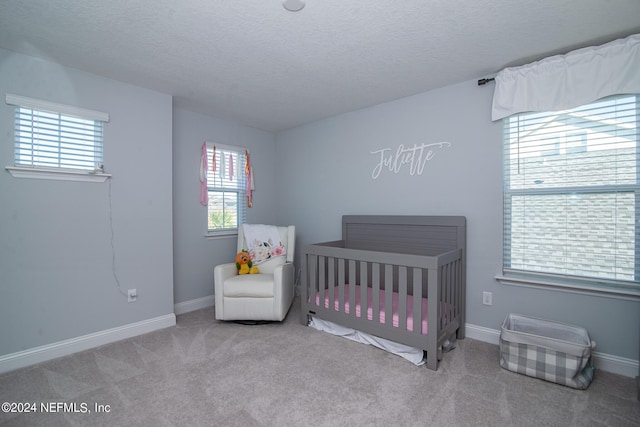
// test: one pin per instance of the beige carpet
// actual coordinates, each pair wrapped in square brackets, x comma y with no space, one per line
[209,373]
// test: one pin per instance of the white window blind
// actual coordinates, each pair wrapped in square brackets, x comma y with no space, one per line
[49,135]
[571,193]
[226,185]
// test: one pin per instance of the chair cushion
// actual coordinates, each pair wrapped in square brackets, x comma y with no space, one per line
[249,285]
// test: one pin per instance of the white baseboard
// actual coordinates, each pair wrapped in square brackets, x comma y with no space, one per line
[615,364]
[606,362]
[194,304]
[43,353]
[481,333]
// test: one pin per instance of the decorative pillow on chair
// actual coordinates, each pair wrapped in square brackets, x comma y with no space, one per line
[264,242]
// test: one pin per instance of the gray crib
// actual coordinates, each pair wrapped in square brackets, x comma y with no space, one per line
[401,278]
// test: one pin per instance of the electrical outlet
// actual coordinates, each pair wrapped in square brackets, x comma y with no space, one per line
[487,298]
[132,295]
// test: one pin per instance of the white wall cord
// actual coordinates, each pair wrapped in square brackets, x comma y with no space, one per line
[113,248]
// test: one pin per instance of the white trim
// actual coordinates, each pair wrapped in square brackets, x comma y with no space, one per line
[629,294]
[483,334]
[615,364]
[38,104]
[56,174]
[43,353]
[194,304]
[605,362]
[220,235]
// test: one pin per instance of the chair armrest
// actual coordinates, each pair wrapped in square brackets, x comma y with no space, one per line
[283,275]
[221,273]
[224,271]
[283,283]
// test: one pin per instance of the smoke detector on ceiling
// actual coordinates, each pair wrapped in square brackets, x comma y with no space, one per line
[293,5]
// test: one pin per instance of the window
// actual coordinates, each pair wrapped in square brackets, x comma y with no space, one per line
[56,137]
[226,185]
[52,135]
[571,194]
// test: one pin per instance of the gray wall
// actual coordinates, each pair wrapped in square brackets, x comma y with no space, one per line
[56,270]
[194,255]
[329,175]
[55,254]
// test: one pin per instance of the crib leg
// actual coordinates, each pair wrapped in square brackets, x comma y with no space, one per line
[460,332]
[432,360]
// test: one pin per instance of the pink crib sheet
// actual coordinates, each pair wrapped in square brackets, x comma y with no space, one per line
[395,320]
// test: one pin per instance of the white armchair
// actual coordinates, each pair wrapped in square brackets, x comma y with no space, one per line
[264,296]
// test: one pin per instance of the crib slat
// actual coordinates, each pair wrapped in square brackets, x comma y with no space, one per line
[312,284]
[375,285]
[352,288]
[444,306]
[444,297]
[452,290]
[459,291]
[446,283]
[364,283]
[388,295]
[319,287]
[417,301]
[402,297]
[341,282]
[332,283]
[305,294]
[458,287]
[456,294]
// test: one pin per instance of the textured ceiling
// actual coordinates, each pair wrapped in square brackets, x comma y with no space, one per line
[255,62]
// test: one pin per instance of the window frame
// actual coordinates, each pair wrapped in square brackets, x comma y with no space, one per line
[240,190]
[38,171]
[617,288]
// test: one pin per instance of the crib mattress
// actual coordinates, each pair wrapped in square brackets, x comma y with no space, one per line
[382,316]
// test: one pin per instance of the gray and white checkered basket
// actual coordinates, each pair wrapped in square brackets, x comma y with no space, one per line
[551,351]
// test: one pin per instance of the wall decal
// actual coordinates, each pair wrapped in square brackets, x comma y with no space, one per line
[414,157]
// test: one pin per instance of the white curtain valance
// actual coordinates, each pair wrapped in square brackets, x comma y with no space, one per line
[567,81]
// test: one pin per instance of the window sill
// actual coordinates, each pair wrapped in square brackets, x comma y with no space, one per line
[56,174]
[222,235]
[607,291]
